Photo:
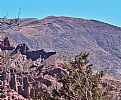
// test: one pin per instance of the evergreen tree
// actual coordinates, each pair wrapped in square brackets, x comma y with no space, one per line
[81,83]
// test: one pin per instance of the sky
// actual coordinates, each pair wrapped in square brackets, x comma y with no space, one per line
[108,11]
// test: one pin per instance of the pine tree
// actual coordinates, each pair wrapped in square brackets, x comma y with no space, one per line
[81,83]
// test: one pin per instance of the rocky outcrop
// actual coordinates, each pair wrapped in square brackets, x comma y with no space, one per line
[5,45]
[26,83]
[23,79]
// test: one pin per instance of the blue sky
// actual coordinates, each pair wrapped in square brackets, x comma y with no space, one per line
[104,10]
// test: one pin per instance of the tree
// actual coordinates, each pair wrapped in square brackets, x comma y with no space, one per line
[9,23]
[80,83]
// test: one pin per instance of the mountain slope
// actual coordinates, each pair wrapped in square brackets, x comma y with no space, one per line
[70,36]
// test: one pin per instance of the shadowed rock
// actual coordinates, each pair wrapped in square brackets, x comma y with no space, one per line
[7,48]
[33,66]
[5,45]
[22,48]
[44,81]
[6,42]
[33,55]
[57,71]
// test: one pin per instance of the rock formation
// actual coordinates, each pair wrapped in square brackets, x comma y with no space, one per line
[26,79]
[33,55]
[5,45]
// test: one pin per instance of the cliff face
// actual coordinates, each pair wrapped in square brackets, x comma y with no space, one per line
[70,36]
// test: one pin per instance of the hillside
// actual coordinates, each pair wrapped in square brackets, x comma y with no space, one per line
[70,36]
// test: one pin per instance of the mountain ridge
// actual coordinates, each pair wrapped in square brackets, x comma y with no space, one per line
[70,36]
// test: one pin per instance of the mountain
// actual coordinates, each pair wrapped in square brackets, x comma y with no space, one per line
[70,36]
